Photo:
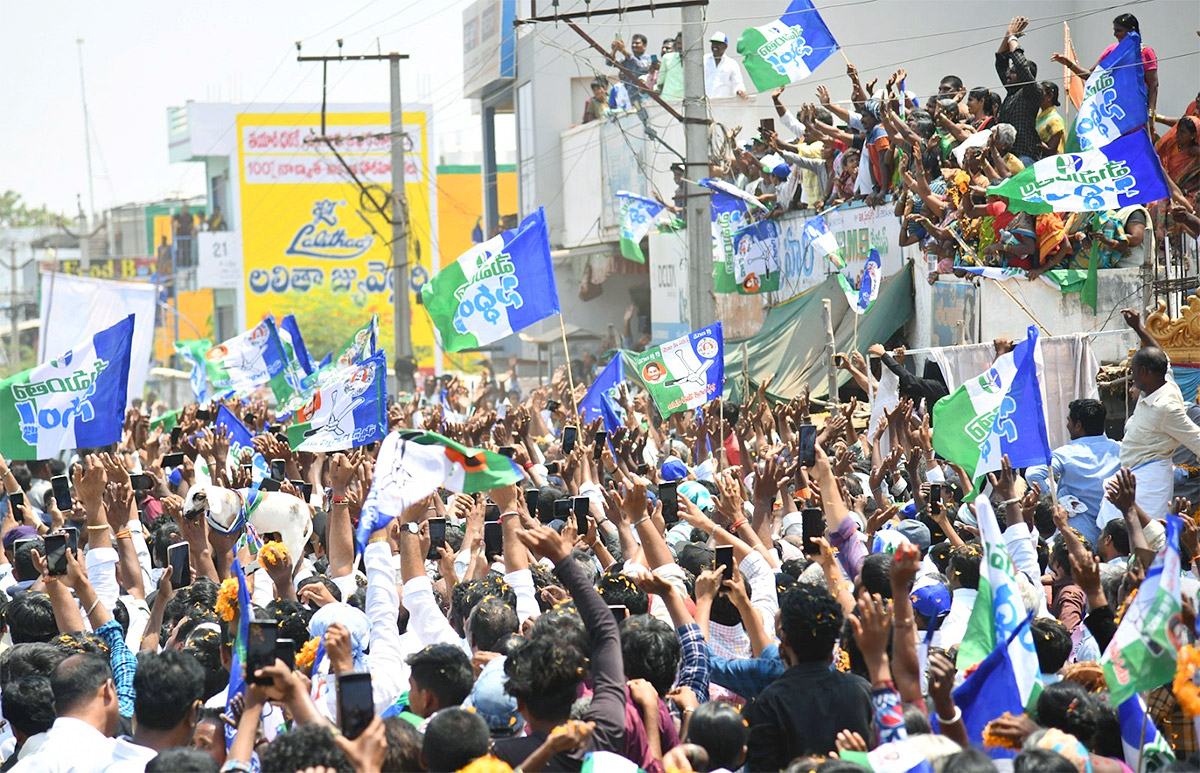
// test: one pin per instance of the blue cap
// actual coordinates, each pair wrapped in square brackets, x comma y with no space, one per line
[673,469]
[492,702]
[931,600]
[782,171]
[698,495]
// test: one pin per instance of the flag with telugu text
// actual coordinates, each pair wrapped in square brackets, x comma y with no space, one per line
[76,400]
[1123,172]
[1141,655]
[788,49]
[495,289]
[1115,99]
[995,414]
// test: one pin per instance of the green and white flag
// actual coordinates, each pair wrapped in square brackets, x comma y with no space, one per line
[495,289]
[348,412]
[638,216]
[193,352]
[684,373]
[1143,651]
[361,344]
[999,611]
[247,361]
[996,414]
[788,49]
[76,400]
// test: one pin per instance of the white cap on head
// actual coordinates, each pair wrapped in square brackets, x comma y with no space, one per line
[719,37]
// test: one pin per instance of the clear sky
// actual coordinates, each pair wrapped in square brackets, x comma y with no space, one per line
[141,57]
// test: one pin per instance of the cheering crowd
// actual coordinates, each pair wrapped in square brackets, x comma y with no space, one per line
[744,585]
[938,157]
[597,583]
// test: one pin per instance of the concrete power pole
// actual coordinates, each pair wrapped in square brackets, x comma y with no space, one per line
[401,319]
[701,303]
[402,359]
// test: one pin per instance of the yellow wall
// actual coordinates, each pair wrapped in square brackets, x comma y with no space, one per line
[311,245]
[459,207]
[195,307]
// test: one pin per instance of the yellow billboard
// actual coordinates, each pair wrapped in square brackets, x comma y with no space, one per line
[316,243]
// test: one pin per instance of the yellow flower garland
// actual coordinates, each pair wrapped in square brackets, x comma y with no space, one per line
[1187,692]
[997,741]
[227,600]
[272,553]
[307,654]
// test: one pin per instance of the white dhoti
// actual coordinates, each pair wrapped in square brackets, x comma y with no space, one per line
[1155,487]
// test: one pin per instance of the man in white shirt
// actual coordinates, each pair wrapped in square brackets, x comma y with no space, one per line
[1158,426]
[963,576]
[722,75]
[85,700]
[169,685]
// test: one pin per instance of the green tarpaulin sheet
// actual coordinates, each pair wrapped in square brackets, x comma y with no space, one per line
[791,343]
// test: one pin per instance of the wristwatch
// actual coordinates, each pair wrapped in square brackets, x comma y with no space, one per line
[412,527]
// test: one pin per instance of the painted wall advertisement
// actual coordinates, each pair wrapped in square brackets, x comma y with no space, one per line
[858,230]
[313,243]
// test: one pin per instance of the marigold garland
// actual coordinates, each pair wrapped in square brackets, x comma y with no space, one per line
[995,740]
[842,662]
[227,599]
[272,553]
[307,654]
[1187,692]
[1125,605]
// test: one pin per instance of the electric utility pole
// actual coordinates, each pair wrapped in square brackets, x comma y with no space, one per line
[402,356]
[701,302]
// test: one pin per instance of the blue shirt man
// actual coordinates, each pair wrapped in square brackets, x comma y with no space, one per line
[1082,466]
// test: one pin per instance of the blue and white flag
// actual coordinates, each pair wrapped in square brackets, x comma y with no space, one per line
[249,360]
[76,400]
[241,439]
[756,251]
[684,373]
[998,413]
[237,670]
[495,289]
[348,411]
[730,189]
[788,49]
[862,298]
[598,403]
[1115,98]
[1140,740]
[1123,172]
[995,687]
[820,239]
[289,325]
[638,216]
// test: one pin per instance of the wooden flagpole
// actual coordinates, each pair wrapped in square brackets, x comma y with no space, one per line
[567,355]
